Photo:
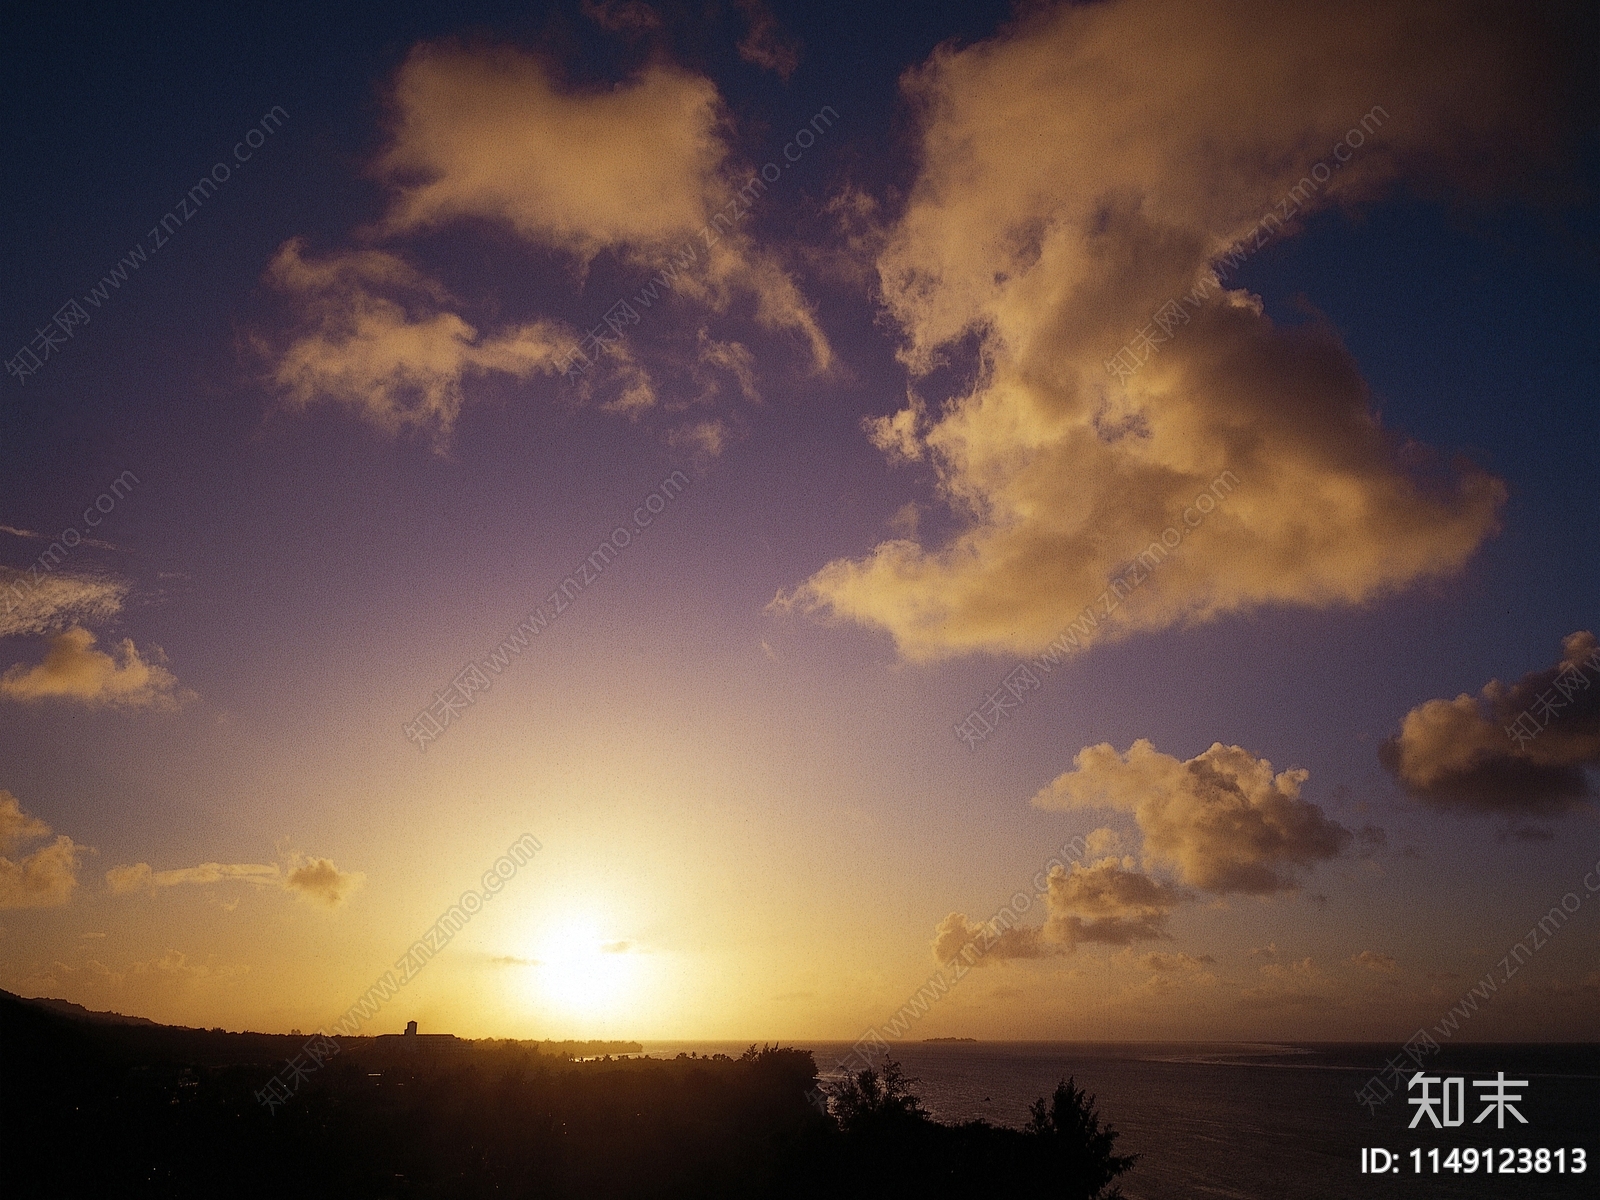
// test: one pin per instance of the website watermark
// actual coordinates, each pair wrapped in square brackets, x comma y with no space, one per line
[1377,1090]
[1534,719]
[51,338]
[1165,321]
[69,539]
[982,721]
[606,335]
[325,1045]
[474,679]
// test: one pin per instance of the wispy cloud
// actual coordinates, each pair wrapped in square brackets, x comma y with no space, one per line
[316,880]
[766,43]
[1372,960]
[44,602]
[378,337]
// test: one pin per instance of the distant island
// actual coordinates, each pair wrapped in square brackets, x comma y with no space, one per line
[949,1039]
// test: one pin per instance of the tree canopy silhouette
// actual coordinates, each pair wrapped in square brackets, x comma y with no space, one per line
[97,1109]
[1069,1126]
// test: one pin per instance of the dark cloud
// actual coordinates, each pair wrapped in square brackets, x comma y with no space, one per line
[1108,902]
[1522,750]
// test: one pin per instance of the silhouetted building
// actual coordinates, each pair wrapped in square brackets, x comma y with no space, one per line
[418,1045]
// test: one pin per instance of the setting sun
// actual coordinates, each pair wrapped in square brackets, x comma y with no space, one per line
[582,973]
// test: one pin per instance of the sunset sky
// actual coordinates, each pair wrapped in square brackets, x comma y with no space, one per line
[1233,362]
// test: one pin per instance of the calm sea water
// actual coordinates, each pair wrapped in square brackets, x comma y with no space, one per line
[1260,1122]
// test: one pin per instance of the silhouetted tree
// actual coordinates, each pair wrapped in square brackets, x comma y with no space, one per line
[1079,1149]
[875,1098]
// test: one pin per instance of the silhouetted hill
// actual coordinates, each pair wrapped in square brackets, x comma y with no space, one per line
[69,1009]
[96,1108]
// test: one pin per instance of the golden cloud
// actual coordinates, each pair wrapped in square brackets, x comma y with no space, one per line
[375,337]
[175,964]
[1373,960]
[74,670]
[489,133]
[1524,750]
[990,944]
[320,882]
[140,876]
[1222,820]
[1093,166]
[1108,901]
[93,974]
[638,169]
[316,880]
[42,879]
[17,826]
[1156,961]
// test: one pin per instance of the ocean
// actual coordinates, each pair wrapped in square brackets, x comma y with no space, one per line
[1254,1121]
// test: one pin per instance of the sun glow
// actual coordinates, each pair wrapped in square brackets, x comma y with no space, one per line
[583,973]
